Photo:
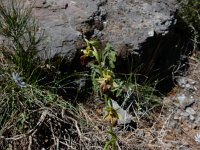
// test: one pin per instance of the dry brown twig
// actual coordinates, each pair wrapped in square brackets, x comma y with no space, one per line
[30,142]
[30,132]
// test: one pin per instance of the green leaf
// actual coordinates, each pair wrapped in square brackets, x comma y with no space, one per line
[107,145]
[112,59]
[96,55]
[94,43]
[110,56]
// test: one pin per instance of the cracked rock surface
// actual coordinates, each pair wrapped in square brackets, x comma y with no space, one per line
[137,28]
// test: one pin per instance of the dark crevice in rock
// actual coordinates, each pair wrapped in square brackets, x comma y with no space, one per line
[94,22]
[168,56]
[162,57]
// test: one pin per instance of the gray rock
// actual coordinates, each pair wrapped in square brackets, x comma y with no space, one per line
[185,101]
[173,124]
[187,83]
[197,121]
[59,20]
[185,114]
[190,111]
[132,22]
[127,24]
[136,28]
[181,81]
[176,117]
[143,29]
[140,133]
[188,86]
[192,82]
[192,118]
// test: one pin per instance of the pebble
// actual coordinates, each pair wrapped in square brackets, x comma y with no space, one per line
[140,133]
[185,114]
[197,120]
[181,82]
[173,124]
[187,85]
[184,101]
[192,117]
[192,82]
[190,111]
[181,98]
[185,82]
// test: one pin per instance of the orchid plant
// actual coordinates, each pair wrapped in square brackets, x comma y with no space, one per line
[101,61]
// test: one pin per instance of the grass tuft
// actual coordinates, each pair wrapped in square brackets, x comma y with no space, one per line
[28,109]
[19,30]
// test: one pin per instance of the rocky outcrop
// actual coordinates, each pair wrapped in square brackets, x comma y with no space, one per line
[143,30]
[62,23]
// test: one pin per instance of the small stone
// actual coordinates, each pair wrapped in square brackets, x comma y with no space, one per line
[140,133]
[192,118]
[182,82]
[184,101]
[190,111]
[176,117]
[192,82]
[181,98]
[197,120]
[185,114]
[187,85]
[175,142]
[151,33]
[173,124]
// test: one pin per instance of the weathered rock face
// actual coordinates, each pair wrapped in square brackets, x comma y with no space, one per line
[145,30]
[132,22]
[62,23]
[136,28]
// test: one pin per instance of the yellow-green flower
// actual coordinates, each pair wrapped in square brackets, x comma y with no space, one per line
[88,52]
[106,82]
[112,116]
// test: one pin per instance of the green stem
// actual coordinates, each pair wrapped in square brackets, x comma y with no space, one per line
[106,99]
[113,139]
[99,60]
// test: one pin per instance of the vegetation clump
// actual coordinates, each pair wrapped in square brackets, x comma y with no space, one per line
[103,81]
[26,108]
[109,87]
[190,13]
